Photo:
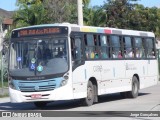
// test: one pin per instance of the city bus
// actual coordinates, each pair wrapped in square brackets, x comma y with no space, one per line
[53,62]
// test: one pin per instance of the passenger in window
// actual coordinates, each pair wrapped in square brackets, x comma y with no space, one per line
[96,55]
[87,54]
[137,53]
[47,53]
[103,54]
[114,55]
[92,55]
[153,54]
[130,53]
[119,54]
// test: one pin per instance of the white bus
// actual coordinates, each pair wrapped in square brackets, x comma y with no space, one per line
[65,61]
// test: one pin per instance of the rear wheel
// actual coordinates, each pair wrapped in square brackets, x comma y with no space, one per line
[40,104]
[135,88]
[88,101]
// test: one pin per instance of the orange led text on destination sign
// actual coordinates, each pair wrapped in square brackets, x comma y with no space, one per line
[39,31]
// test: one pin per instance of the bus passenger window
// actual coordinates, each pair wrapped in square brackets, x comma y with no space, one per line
[76,46]
[116,47]
[91,44]
[150,48]
[128,47]
[104,46]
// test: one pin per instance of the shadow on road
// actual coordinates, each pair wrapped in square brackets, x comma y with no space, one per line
[61,105]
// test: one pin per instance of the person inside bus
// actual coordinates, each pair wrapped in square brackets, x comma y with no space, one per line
[119,54]
[114,55]
[137,53]
[96,55]
[47,53]
[89,53]
[103,53]
[92,55]
[129,53]
[152,54]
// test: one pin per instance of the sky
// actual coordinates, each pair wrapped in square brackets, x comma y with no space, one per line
[9,5]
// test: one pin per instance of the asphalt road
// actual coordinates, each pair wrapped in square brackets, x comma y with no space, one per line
[148,100]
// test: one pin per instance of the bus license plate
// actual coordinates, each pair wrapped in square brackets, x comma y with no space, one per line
[36,96]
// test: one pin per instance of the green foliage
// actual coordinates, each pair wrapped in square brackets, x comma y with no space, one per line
[61,11]
[94,16]
[5,95]
[125,14]
[128,15]
[30,13]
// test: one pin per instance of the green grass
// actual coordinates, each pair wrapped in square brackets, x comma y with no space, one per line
[5,84]
[5,95]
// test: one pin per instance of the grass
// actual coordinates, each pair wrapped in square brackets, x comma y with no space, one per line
[5,95]
[5,84]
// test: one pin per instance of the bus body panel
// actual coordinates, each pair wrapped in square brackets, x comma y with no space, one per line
[115,76]
[79,82]
[82,74]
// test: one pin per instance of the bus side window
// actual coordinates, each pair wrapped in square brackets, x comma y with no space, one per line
[116,47]
[139,48]
[104,46]
[76,49]
[128,47]
[150,48]
[91,44]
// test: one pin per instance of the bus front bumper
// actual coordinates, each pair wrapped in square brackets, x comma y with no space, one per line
[62,93]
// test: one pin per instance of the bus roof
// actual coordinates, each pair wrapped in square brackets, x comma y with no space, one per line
[92,29]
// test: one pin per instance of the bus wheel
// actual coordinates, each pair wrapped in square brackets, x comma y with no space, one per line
[40,104]
[135,88]
[88,101]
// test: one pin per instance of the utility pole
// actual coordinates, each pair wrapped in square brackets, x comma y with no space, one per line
[80,12]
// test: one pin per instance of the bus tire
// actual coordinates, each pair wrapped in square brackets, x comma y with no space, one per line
[40,104]
[89,100]
[135,88]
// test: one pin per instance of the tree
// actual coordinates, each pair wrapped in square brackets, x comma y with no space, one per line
[118,13]
[30,13]
[94,16]
[86,2]
[61,10]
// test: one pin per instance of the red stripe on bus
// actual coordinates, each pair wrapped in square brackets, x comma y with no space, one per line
[107,31]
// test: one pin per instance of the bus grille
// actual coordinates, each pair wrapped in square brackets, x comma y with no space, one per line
[37,86]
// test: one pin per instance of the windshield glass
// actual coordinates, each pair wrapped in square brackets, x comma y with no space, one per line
[38,56]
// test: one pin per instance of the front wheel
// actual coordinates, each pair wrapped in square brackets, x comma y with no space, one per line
[135,88]
[89,100]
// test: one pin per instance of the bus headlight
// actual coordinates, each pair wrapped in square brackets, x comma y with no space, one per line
[65,77]
[64,82]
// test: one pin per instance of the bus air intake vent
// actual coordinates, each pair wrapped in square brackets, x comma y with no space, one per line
[37,86]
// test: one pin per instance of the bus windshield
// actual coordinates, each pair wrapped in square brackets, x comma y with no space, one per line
[38,56]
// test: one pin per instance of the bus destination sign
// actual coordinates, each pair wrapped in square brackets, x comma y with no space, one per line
[39,31]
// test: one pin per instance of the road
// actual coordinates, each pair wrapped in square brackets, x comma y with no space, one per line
[148,100]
